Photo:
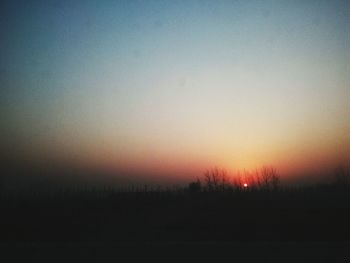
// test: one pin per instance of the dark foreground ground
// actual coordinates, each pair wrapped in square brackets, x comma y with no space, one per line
[287,252]
[310,225]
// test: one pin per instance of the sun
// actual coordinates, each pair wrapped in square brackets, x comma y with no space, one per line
[245,185]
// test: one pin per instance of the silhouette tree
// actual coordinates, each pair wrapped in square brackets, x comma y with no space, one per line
[216,179]
[269,179]
[341,176]
[195,187]
[238,181]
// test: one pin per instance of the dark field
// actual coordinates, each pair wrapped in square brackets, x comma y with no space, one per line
[309,223]
[157,216]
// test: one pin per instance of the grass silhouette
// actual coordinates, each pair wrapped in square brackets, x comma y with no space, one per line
[211,209]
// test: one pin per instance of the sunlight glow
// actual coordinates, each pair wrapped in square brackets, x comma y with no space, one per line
[166,89]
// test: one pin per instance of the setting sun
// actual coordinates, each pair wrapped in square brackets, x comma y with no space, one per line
[158,125]
[167,89]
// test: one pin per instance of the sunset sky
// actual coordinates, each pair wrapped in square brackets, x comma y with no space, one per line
[171,88]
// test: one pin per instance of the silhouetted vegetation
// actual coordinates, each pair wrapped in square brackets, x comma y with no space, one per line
[218,180]
[251,206]
[341,177]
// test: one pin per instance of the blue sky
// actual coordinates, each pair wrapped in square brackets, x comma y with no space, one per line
[177,84]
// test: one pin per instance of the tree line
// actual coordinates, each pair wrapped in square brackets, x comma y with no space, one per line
[267,178]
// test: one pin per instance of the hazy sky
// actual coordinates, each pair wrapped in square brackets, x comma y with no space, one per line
[175,87]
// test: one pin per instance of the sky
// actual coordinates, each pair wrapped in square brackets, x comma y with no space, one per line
[171,88]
